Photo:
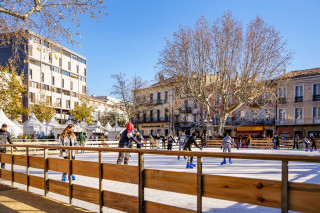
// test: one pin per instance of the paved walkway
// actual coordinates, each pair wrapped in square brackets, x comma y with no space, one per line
[17,200]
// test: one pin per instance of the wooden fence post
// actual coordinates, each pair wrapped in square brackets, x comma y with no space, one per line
[100,183]
[45,172]
[141,181]
[284,187]
[199,185]
[12,178]
[27,167]
[70,176]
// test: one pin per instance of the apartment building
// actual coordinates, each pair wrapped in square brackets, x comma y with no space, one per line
[161,110]
[51,72]
[104,104]
[298,108]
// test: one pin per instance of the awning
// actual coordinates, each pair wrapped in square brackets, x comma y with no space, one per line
[250,129]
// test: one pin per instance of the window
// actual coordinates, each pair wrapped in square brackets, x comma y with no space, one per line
[65,73]
[298,113]
[298,93]
[31,97]
[46,44]
[217,100]
[151,98]
[48,100]
[84,89]
[242,115]
[62,83]
[30,50]
[268,114]
[55,69]
[58,102]
[34,84]
[69,65]
[282,95]
[52,80]
[45,66]
[158,97]
[144,116]
[85,72]
[158,115]
[60,62]
[71,85]
[316,92]
[68,104]
[166,115]
[254,114]
[151,115]
[42,77]
[316,114]
[77,67]
[282,114]
[30,73]
[165,96]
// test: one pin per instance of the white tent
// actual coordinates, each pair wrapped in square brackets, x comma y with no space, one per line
[108,127]
[98,128]
[51,125]
[14,128]
[33,125]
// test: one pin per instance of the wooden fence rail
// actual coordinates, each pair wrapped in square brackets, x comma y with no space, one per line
[278,194]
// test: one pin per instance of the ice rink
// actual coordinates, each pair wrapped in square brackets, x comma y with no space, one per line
[300,172]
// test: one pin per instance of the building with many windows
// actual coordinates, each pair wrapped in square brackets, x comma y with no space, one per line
[298,109]
[161,110]
[51,72]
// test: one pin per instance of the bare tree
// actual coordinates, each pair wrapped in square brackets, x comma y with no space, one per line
[55,20]
[224,61]
[123,89]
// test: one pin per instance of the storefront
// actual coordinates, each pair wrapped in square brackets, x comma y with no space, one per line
[254,131]
[152,129]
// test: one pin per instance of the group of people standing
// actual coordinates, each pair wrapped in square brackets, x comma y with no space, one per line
[310,143]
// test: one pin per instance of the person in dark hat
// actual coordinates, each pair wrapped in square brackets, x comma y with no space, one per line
[4,137]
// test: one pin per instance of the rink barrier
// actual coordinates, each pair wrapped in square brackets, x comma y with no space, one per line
[278,194]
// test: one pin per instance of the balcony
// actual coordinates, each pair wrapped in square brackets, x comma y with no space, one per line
[316,97]
[255,122]
[185,110]
[298,99]
[151,120]
[282,100]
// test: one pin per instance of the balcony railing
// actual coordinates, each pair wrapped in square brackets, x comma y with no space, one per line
[282,100]
[151,120]
[298,99]
[185,110]
[309,121]
[316,98]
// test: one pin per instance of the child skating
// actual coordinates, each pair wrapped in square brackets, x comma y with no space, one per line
[226,146]
[182,140]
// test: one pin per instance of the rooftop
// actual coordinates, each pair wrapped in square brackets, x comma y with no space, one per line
[302,73]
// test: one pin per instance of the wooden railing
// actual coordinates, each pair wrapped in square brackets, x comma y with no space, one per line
[278,194]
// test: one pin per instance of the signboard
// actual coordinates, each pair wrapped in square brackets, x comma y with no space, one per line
[249,128]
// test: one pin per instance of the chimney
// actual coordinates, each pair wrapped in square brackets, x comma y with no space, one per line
[161,77]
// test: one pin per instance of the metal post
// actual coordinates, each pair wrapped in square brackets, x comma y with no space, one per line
[12,178]
[100,182]
[28,164]
[141,181]
[199,185]
[45,172]
[70,176]
[284,187]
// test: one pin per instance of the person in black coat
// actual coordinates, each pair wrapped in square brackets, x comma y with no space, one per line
[139,138]
[4,137]
[191,140]
[170,141]
[125,138]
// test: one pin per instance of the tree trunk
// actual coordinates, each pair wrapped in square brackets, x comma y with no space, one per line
[222,124]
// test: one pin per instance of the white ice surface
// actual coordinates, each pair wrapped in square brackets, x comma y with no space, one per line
[301,172]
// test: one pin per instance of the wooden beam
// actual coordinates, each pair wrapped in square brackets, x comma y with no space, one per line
[141,182]
[12,163]
[100,183]
[70,176]
[199,185]
[45,172]
[284,187]
[27,168]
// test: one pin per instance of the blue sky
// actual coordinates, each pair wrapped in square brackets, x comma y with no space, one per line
[130,38]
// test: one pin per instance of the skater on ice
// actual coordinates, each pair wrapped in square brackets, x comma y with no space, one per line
[170,141]
[125,138]
[226,146]
[182,140]
[191,140]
